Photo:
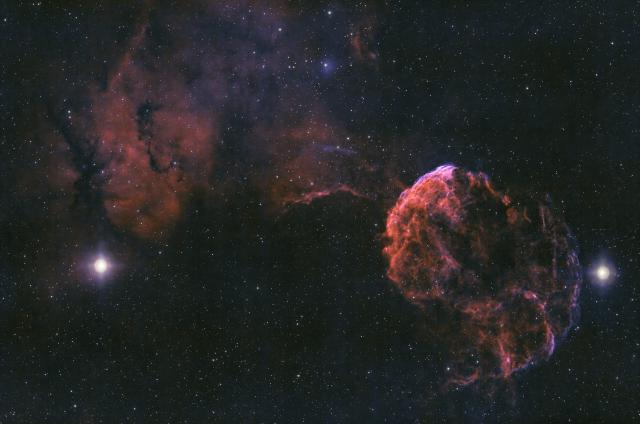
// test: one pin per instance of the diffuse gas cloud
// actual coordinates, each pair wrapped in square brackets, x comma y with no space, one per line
[497,279]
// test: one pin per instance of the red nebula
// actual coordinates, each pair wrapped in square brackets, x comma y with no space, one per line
[157,144]
[497,279]
[363,41]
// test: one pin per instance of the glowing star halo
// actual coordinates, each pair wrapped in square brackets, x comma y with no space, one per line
[101,265]
[603,272]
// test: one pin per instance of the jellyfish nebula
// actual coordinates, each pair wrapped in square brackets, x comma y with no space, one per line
[496,277]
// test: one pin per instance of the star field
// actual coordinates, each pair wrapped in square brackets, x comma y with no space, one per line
[196,212]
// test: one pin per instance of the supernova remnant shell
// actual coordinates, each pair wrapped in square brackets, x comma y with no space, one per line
[497,278]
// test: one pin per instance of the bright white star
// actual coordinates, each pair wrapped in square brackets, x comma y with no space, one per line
[101,265]
[603,272]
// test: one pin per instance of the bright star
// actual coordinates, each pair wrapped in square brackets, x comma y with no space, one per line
[101,265]
[328,67]
[603,273]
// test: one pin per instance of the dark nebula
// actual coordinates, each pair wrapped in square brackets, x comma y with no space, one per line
[496,277]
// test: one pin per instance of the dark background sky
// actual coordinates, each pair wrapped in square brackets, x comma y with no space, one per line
[226,306]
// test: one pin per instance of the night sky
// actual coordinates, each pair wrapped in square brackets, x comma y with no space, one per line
[201,216]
